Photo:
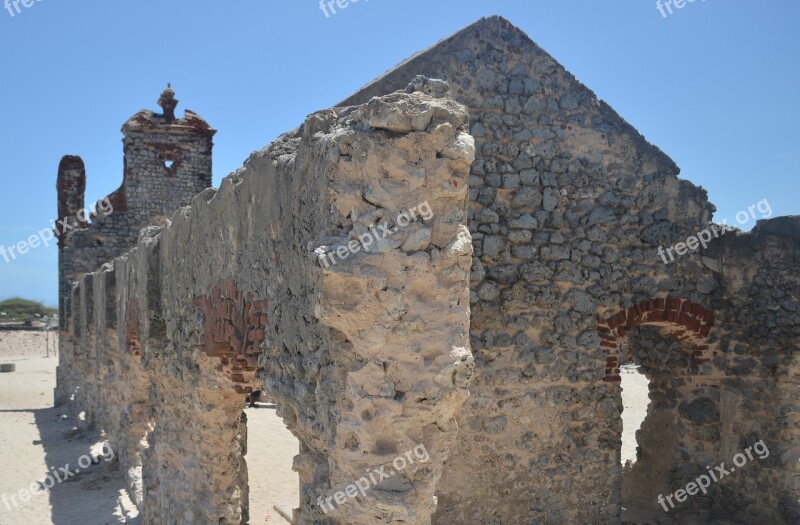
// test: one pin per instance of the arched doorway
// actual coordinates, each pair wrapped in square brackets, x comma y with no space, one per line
[658,351]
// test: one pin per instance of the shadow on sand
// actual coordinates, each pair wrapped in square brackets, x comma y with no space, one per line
[82,486]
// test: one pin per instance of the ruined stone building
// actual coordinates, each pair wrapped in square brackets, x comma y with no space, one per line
[492,333]
[167,162]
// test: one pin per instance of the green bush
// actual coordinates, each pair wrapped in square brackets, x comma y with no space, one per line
[18,309]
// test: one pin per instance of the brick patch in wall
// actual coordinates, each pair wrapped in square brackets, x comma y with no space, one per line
[686,322]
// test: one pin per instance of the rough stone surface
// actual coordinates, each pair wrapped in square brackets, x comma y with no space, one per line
[366,356]
[568,207]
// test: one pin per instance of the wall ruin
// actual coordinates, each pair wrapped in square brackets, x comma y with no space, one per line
[567,208]
[150,192]
[366,354]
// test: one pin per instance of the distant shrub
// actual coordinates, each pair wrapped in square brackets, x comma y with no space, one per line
[18,309]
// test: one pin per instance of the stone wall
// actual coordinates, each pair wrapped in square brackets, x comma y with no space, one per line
[757,341]
[367,355]
[568,207]
[751,398]
[263,284]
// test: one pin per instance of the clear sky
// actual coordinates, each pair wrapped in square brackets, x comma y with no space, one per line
[712,85]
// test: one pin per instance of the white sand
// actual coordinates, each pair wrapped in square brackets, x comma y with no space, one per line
[271,449]
[35,439]
[635,399]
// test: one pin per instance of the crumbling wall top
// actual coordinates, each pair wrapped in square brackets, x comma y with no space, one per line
[149,121]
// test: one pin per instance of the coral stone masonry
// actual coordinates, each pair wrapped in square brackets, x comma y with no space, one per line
[490,331]
[364,359]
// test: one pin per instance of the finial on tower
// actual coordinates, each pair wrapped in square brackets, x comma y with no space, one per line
[168,103]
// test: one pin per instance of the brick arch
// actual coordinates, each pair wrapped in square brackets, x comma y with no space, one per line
[687,321]
[233,327]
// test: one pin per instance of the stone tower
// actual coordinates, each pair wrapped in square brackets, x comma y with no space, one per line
[167,162]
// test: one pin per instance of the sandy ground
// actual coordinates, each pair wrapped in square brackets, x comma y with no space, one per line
[271,449]
[36,438]
[635,398]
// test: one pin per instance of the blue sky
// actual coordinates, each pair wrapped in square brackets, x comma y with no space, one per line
[712,85]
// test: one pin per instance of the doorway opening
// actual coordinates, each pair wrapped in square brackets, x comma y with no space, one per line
[274,488]
[635,402]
